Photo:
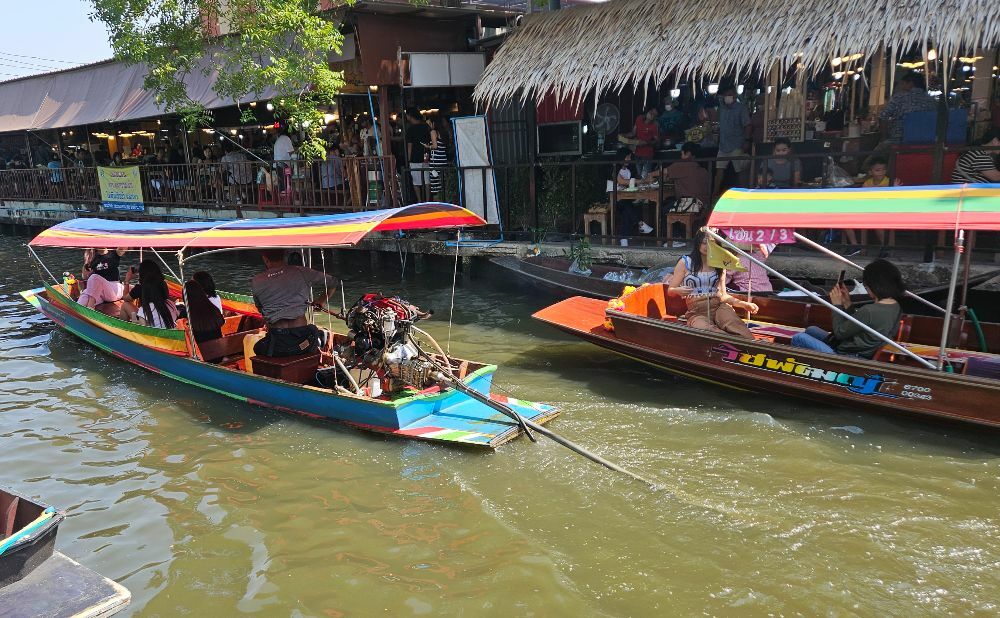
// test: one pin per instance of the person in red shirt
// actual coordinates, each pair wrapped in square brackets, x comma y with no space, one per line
[647,131]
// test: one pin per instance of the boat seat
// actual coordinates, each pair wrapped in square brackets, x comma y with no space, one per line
[8,513]
[983,366]
[113,309]
[217,349]
[773,333]
[299,369]
[958,359]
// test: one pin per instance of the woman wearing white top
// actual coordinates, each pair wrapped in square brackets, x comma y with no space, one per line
[155,307]
[207,283]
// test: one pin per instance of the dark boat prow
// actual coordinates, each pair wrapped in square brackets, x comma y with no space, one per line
[27,535]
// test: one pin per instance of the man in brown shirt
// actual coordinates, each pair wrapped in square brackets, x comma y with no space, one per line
[692,182]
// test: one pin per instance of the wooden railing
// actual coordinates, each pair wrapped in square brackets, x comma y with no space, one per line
[350,183]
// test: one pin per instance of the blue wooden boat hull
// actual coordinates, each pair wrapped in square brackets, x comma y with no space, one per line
[447,416]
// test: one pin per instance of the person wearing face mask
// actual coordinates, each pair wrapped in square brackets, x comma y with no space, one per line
[671,122]
[734,136]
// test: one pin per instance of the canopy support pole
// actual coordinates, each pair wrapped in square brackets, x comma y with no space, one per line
[39,260]
[167,266]
[819,300]
[837,256]
[959,249]
[188,333]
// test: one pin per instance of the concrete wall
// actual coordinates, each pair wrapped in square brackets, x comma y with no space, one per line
[42,214]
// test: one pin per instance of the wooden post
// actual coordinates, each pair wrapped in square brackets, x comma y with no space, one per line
[981,87]
[802,86]
[771,96]
[876,96]
[27,144]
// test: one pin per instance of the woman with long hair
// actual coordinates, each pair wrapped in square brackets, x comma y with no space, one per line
[703,288]
[204,318]
[155,307]
[438,157]
[207,284]
[148,272]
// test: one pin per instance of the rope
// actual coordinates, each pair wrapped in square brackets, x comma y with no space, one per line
[454,281]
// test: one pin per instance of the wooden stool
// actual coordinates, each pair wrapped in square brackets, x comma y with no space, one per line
[687,219]
[599,214]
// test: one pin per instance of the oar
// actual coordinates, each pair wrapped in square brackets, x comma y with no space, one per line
[460,386]
[496,405]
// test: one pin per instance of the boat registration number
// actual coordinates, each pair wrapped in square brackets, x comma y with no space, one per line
[756,235]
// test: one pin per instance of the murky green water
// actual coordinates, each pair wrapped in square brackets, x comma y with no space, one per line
[200,504]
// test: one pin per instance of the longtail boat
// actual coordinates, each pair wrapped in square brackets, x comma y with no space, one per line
[920,372]
[550,272]
[426,396]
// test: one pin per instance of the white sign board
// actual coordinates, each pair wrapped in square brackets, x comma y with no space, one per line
[472,150]
[437,70]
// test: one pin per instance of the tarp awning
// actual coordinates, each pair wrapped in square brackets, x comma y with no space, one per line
[933,207]
[104,92]
[317,231]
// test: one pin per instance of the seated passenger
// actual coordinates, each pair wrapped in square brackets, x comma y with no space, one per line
[100,277]
[885,286]
[703,288]
[155,307]
[204,318]
[754,279]
[692,182]
[281,293]
[149,272]
[207,284]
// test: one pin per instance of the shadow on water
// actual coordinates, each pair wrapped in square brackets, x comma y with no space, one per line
[220,412]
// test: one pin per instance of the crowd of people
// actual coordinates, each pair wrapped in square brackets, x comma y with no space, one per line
[283,292]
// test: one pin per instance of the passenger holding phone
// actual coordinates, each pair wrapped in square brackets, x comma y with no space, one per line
[148,273]
[885,285]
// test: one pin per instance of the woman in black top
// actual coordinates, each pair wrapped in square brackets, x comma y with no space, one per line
[204,318]
[149,272]
[100,273]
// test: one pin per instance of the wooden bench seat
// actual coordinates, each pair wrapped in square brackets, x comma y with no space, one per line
[218,349]
[299,369]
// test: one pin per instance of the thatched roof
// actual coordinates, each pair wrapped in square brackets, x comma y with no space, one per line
[626,42]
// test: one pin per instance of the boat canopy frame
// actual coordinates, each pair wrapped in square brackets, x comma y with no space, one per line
[956,208]
[820,300]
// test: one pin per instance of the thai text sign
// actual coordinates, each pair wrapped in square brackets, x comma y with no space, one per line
[761,235]
[121,188]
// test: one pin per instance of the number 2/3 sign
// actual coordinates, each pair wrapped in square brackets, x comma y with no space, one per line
[761,235]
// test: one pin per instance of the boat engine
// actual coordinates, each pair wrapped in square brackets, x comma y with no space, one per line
[380,340]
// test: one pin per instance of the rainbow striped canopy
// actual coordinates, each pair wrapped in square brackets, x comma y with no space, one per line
[315,231]
[935,207]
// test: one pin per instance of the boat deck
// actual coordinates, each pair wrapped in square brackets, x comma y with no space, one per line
[63,587]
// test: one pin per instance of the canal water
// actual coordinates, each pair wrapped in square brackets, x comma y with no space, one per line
[200,504]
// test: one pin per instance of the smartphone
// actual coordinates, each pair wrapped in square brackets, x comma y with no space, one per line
[840,279]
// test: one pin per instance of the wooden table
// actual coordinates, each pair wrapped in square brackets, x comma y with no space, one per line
[650,194]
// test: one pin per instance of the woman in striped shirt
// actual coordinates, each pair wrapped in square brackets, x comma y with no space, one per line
[979,166]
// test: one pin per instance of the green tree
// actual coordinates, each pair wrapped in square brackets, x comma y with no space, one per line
[281,44]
